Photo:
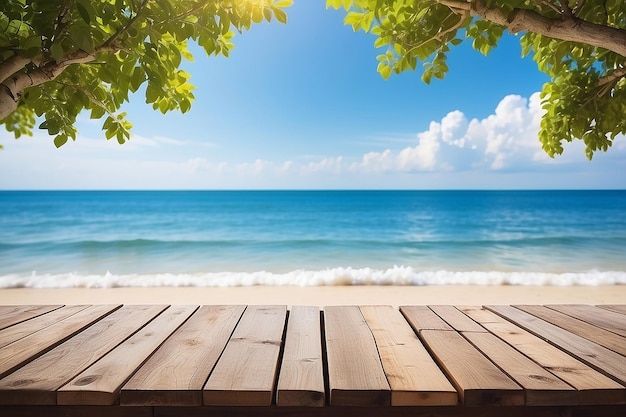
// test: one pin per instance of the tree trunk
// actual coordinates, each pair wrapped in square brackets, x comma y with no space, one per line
[568,29]
[13,86]
[7,104]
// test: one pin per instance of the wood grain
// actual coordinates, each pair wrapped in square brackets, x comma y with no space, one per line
[455,318]
[609,320]
[598,357]
[37,381]
[18,331]
[478,381]
[423,318]
[178,370]
[100,383]
[540,386]
[36,344]
[592,387]
[10,315]
[301,379]
[581,328]
[355,373]
[414,378]
[546,352]
[246,372]
[618,308]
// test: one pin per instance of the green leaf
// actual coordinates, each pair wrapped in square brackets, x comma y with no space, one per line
[84,13]
[82,39]
[282,3]
[384,70]
[56,50]
[60,140]
[281,16]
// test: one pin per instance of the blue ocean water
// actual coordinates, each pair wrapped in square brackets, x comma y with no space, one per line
[206,238]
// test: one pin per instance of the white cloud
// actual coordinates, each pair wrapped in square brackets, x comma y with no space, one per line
[422,157]
[453,127]
[504,140]
[328,165]
[452,152]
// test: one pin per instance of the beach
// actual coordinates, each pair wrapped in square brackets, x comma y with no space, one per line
[324,295]
[318,248]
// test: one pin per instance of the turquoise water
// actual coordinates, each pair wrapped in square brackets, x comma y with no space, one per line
[146,238]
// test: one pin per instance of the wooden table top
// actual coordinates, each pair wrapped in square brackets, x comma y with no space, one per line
[192,360]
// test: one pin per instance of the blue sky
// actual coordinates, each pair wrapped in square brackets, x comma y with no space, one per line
[301,106]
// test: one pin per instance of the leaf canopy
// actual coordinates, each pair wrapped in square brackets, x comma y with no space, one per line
[580,44]
[58,58]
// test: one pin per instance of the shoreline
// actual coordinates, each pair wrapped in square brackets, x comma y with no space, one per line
[323,295]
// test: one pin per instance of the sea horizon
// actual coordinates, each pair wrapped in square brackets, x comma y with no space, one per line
[146,238]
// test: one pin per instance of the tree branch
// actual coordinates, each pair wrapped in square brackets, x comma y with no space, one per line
[567,11]
[13,86]
[113,39]
[463,15]
[12,65]
[614,76]
[570,29]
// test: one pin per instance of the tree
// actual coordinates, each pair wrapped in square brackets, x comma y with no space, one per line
[60,57]
[580,44]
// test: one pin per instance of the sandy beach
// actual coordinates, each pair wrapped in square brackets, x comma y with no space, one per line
[324,296]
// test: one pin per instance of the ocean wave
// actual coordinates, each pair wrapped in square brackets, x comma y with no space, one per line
[398,275]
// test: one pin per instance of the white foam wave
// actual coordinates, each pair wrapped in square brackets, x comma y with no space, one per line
[398,275]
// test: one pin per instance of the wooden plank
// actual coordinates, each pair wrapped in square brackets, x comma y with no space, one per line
[618,308]
[10,315]
[599,411]
[204,411]
[36,344]
[18,331]
[598,357]
[414,378]
[246,372]
[100,383]
[598,335]
[177,371]
[609,320]
[37,381]
[381,411]
[75,411]
[455,318]
[355,373]
[301,379]
[478,381]
[540,386]
[592,387]
[423,318]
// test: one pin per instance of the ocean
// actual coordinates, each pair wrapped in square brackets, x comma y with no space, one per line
[61,239]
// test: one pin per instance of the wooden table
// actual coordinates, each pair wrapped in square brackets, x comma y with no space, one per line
[155,360]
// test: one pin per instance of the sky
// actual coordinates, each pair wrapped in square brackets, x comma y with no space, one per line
[301,106]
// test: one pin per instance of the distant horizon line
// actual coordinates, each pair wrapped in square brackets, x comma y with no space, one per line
[300,189]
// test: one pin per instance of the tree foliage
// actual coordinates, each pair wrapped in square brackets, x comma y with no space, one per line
[60,57]
[580,44]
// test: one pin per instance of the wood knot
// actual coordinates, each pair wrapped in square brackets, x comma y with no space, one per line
[192,342]
[21,382]
[86,380]
[540,378]
[271,342]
